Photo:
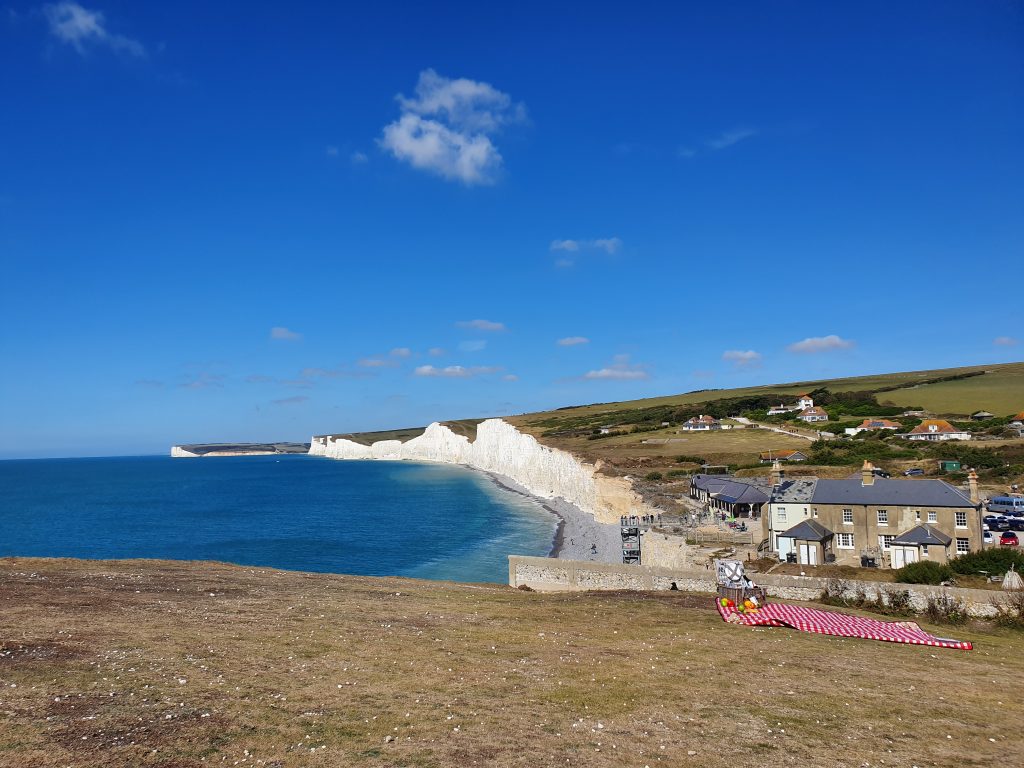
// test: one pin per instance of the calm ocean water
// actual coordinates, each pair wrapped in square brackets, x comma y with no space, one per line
[295,512]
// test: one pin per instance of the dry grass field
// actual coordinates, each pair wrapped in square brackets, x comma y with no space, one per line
[178,665]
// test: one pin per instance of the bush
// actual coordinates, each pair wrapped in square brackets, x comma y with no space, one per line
[894,601]
[943,609]
[689,460]
[653,476]
[993,561]
[924,572]
[1010,610]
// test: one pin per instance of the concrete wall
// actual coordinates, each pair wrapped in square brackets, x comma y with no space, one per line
[546,574]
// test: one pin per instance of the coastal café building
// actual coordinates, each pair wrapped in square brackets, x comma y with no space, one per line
[723,493]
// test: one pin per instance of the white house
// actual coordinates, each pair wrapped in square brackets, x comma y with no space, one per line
[935,430]
[702,424]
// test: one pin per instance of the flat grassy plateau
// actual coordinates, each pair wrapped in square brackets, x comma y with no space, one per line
[146,663]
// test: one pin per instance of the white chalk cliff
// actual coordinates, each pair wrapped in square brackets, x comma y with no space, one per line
[502,449]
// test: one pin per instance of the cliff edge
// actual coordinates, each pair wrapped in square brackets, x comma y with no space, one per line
[502,449]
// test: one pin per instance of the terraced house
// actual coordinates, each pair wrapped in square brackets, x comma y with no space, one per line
[869,519]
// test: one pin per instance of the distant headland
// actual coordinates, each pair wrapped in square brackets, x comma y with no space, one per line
[197,450]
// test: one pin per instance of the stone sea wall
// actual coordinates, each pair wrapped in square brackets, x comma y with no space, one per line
[502,449]
[547,575]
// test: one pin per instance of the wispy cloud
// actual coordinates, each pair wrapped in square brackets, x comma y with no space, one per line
[293,400]
[621,369]
[333,373]
[149,383]
[259,378]
[510,377]
[436,352]
[729,138]
[280,333]
[1005,341]
[376,362]
[401,352]
[742,358]
[204,380]
[816,344]
[455,371]
[572,341]
[570,248]
[475,345]
[81,28]
[446,128]
[481,325]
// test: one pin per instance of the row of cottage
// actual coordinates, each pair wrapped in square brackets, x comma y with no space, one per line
[865,520]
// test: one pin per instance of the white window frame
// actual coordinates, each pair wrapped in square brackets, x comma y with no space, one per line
[885,541]
[960,516]
[841,537]
[780,514]
[933,516]
[924,550]
[963,545]
[847,513]
[883,517]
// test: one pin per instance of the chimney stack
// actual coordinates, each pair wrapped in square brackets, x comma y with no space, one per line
[777,473]
[972,483]
[867,474]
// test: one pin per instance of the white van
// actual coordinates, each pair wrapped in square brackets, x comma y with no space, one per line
[1007,505]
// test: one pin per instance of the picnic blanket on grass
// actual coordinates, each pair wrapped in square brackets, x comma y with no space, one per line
[838,624]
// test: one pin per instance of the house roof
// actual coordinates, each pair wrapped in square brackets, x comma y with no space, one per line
[923,534]
[815,411]
[702,420]
[879,424]
[983,413]
[794,490]
[886,491]
[808,530]
[940,426]
[730,490]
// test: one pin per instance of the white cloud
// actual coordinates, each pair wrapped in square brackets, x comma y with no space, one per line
[609,245]
[79,27]
[376,362]
[621,369]
[447,127]
[1005,341]
[510,377]
[476,345]
[280,333]
[742,358]
[564,263]
[727,139]
[436,352]
[454,371]
[572,341]
[565,245]
[816,344]
[481,325]
[401,352]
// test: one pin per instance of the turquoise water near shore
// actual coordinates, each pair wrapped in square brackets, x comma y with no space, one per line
[295,512]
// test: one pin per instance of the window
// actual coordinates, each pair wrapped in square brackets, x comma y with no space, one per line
[961,519]
[884,542]
[781,514]
[883,517]
[917,516]
[924,550]
[815,511]
[933,517]
[963,546]
[847,517]
[844,540]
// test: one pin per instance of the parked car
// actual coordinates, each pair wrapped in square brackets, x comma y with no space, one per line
[913,472]
[1012,504]
[1015,523]
[880,472]
[987,538]
[999,524]
[1009,539]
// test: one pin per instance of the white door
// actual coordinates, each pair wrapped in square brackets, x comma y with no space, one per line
[903,556]
[808,554]
[785,547]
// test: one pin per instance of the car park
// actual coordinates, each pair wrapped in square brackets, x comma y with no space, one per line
[1009,539]
[1016,524]
[997,524]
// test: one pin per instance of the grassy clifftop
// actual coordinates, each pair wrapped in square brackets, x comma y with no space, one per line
[185,665]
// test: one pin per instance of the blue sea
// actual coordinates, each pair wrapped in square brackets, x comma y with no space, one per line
[297,512]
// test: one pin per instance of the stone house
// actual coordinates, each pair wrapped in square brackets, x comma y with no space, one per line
[893,521]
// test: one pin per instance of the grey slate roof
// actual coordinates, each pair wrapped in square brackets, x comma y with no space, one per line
[729,490]
[923,534]
[794,490]
[897,493]
[808,530]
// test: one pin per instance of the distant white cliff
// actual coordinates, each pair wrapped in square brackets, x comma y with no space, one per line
[502,449]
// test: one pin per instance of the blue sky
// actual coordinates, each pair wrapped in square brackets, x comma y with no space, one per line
[261,221]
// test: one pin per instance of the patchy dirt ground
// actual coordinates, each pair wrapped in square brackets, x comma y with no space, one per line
[143,663]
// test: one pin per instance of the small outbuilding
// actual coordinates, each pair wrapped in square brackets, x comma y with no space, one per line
[922,542]
[949,465]
[809,542]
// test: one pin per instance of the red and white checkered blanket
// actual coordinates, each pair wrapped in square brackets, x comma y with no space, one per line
[838,624]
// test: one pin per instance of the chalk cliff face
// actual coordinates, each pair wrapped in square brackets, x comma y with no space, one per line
[501,448]
[178,452]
